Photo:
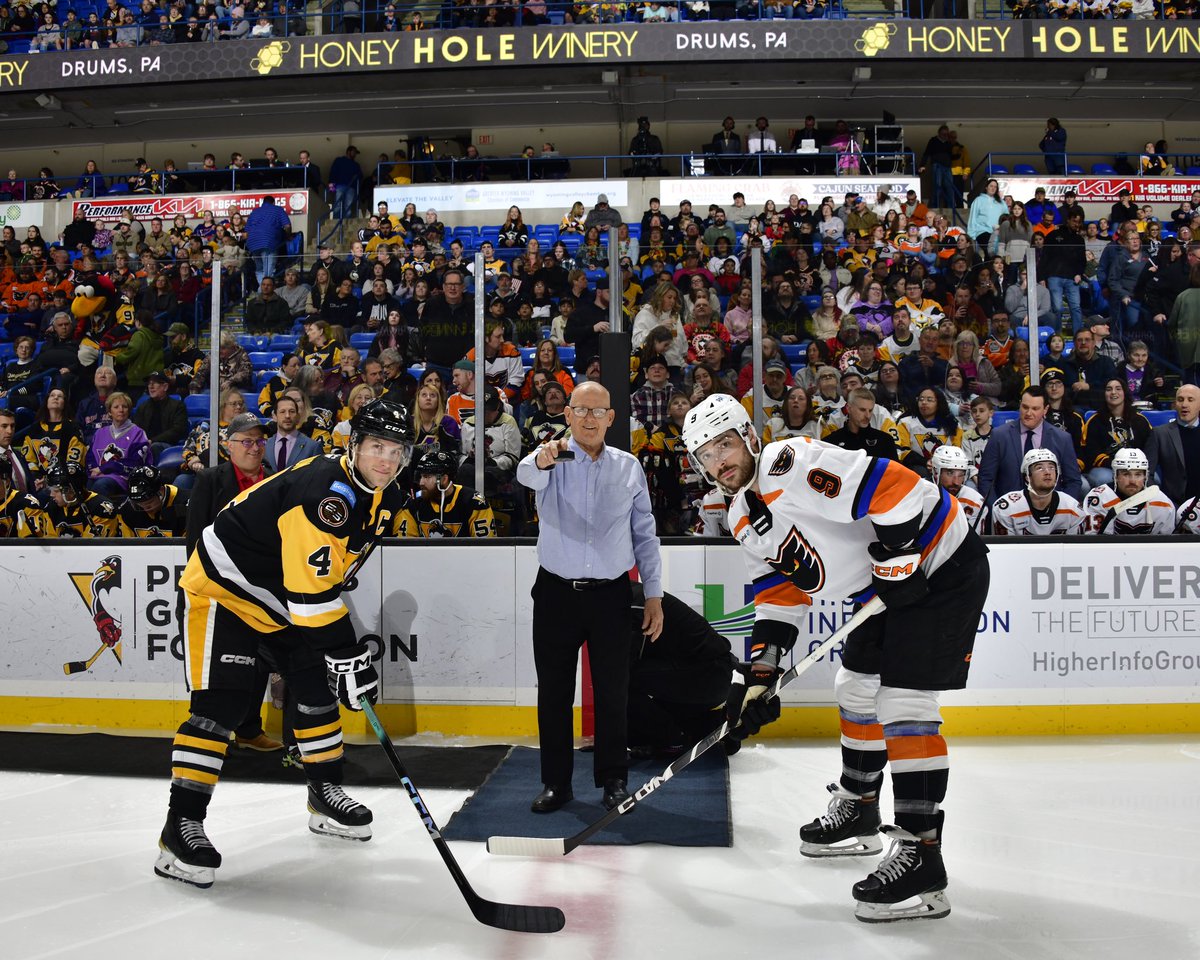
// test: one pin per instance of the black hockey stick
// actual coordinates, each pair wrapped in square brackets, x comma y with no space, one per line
[506,916]
[561,846]
[1186,515]
[78,666]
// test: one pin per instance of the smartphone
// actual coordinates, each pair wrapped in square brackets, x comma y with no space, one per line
[564,456]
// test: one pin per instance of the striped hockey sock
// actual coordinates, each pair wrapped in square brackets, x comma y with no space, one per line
[319,737]
[920,771]
[197,756]
[864,753]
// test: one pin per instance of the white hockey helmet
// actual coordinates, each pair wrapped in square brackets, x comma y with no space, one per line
[947,457]
[712,417]
[1130,458]
[1038,455]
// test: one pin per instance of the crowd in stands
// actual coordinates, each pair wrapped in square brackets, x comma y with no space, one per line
[875,299]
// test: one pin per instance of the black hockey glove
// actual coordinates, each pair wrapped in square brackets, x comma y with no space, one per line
[897,576]
[351,675]
[745,702]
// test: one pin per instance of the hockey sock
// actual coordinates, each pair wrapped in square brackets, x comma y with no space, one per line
[920,770]
[196,760]
[864,753]
[319,736]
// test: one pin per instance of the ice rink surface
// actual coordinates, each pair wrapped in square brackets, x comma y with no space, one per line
[1066,849]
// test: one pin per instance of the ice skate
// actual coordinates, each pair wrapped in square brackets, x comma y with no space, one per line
[333,814]
[909,883]
[186,854]
[850,828]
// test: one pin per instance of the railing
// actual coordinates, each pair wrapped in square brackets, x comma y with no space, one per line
[606,167]
[96,185]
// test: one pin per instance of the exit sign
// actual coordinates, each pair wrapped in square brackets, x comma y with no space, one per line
[484,138]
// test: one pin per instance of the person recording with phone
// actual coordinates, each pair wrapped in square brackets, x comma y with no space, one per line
[595,525]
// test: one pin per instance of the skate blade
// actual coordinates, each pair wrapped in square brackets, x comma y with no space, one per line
[173,869]
[929,906]
[861,847]
[323,826]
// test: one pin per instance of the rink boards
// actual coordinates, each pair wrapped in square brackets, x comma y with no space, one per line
[1078,636]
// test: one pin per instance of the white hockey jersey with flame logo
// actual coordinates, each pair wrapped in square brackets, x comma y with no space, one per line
[1157,516]
[806,533]
[1013,515]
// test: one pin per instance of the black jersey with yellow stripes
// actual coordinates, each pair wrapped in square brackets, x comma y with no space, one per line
[169,520]
[457,513]
[90,516]
[20,515]
[280,553]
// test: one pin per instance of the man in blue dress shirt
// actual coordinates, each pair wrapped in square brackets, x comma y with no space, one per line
[595,524]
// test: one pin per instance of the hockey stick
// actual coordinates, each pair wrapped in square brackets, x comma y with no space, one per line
[506,916]
[1188,514]
[561,846]
[1142,496]
[78,666]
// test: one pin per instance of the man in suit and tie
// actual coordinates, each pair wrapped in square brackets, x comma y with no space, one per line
[214,488]
[21,481]
[1000,469]
[1174,448]
[727,143]
[289,445]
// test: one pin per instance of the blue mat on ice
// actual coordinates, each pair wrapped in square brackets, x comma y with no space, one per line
[691,810]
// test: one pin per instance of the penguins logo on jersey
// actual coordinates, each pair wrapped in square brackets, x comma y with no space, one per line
[799,562]
[112,452]
[47,450]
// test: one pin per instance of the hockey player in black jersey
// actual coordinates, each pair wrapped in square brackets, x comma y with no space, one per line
[440,507]
[20,513]
[154,508]
[270,570]
[74,510]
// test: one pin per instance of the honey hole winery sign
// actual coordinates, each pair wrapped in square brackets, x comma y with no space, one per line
[607,44]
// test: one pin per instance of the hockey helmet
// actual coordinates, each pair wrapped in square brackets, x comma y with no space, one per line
[1130,458]
[144,483]
[1038,455]
[436,461]
[947,457]
[387,421]
[66,475]
[712,417]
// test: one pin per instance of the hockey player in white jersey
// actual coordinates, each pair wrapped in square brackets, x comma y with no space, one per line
[817,521]
[712,514]
[1039,510]
[950,467]
[1130,467]
[1187,519]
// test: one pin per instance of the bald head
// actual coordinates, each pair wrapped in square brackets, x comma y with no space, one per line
[589,416]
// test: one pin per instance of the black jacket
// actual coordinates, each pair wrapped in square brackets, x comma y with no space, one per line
[579,330]
[1064,254]
[214,488]
[447,332]
[164,421]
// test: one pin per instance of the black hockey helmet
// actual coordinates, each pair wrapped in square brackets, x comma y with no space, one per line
[436,461]
[66,475]
[144,483]
[381,418]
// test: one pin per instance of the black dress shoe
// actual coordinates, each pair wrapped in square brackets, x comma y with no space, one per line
[551,799]
[614,793]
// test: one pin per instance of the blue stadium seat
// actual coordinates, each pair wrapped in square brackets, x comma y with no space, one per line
[997,168]
[285,342]
[813,302]
[7,352]
[1025,170]
[566,356]
[251,342]
[1193,171]
[361,341]
[416,372]
[489,235]
[1159,417]
[572,242]
[196,405]
[1075,169]
[635,230]
[266,359]
[1001,417]
[1104,169]
[261,379]
[792,352]
[545,234]
[171,459]
[251,398]
[527,355]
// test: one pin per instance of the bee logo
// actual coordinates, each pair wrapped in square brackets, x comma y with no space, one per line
[875,38]
[270,57]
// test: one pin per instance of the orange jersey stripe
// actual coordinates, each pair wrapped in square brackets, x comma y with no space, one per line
[862,731]
[916,748]
[946,524]
[895,484]
[784,595]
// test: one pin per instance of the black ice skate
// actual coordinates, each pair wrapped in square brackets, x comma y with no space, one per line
[333,814]
[850,828]
[187,853]
[911,871]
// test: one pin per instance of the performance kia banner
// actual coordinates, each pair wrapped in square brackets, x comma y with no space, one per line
[607,44]
[1092,189]
[146,207]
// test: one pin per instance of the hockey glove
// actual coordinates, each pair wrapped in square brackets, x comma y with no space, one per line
[110,630]
[351,675]
[745,702]
[897,576]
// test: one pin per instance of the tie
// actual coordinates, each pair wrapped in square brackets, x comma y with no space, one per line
[1028,440]
[281,459]
[18,475]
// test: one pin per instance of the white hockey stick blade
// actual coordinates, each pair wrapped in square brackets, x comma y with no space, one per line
[1143,496]
[527,846]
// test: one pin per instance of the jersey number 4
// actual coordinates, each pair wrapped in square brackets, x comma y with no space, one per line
[320,561]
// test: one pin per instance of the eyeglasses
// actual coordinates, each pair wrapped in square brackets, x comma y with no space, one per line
[597,413]
[249,444]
